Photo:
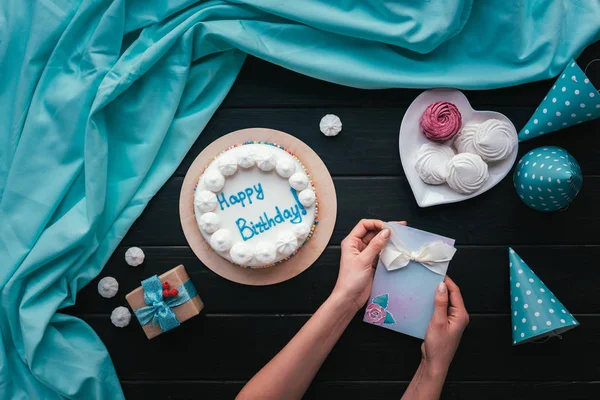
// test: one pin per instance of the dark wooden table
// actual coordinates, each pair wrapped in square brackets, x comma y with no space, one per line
[242,327]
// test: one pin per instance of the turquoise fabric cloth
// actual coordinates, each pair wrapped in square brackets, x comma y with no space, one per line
[100,100]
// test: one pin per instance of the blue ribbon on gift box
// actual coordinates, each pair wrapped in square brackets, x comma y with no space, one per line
[158,309]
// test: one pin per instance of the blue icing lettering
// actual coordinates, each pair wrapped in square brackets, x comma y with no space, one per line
[260,194]
[222,201]
[243,227]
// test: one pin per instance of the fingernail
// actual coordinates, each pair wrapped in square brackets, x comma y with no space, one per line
[385,233]
[442,287]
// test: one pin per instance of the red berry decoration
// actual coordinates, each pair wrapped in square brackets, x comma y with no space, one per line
[174,292]
[165,285]
[165,293]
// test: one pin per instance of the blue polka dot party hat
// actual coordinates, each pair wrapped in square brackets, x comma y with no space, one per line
[572,100]
[536,313]
[547,178]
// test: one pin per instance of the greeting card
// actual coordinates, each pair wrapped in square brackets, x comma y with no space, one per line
[411,266]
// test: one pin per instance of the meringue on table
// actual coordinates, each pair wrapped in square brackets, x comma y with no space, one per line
[467,173]
[432,161]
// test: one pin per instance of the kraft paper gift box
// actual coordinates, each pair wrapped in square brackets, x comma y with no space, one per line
[159,311]
[411,266]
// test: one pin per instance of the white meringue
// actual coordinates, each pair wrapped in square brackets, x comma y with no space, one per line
[245,158]
[227,164]
[205,201]
[241,253]
[298,181]
[134,256]
[432,159]
[265,160]
[463,142]
[307,197]
[495,139]
[286,243]
[285,167]
[221,240]
[265,253]
[120,317]
[108,287]
[467,173]
[330,125]
[301,231]
[214,180]
[209,222]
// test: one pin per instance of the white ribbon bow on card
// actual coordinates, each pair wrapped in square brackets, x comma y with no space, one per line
[434,256]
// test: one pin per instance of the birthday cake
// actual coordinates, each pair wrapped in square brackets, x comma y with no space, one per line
[255,204]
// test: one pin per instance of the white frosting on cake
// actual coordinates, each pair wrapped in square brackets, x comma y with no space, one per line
[265,159]
[463,142]
[221,240]
[467,173]
[285,167]
[205,201]
[228,164]
[265,253]
[432,161]
[301,231]
[495,139]
[213,180]
[286,243]
[264,211]
[209,222]
[299,181]
[241,253]
[307,197]
[245,157]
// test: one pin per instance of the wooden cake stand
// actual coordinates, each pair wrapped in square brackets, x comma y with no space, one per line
[311,250]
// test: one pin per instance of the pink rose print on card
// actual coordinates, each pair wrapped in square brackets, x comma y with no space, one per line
[375,314]
[376,311]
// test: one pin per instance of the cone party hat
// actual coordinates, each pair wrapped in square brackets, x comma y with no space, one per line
[536,312]
[572,100]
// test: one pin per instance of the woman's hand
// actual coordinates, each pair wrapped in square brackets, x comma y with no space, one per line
[360,251]
[450,318]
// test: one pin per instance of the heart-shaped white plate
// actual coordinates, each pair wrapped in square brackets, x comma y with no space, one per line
[411,140]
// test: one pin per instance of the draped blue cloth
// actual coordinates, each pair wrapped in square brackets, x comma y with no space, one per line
[100,100]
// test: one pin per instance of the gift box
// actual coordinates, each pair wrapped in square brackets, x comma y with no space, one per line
[411,266]
[164,302]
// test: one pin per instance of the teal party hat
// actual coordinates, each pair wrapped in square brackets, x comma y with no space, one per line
[547,178]
[536,312]
[572,100]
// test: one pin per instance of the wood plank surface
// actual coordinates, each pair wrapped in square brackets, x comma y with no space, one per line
[235,347]
[372,390]
[481,273]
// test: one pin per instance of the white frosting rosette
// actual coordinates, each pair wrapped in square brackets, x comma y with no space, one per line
[221,240]
[205,201]
[432,160]
[214,181]
[227,164]
[209,222]
[495,140]
[467,173]
[245,158]
[463,142]
[241,253]
[265,160]
[285,167]
[299,181]
[286,243]
[265,253]
[307,197]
